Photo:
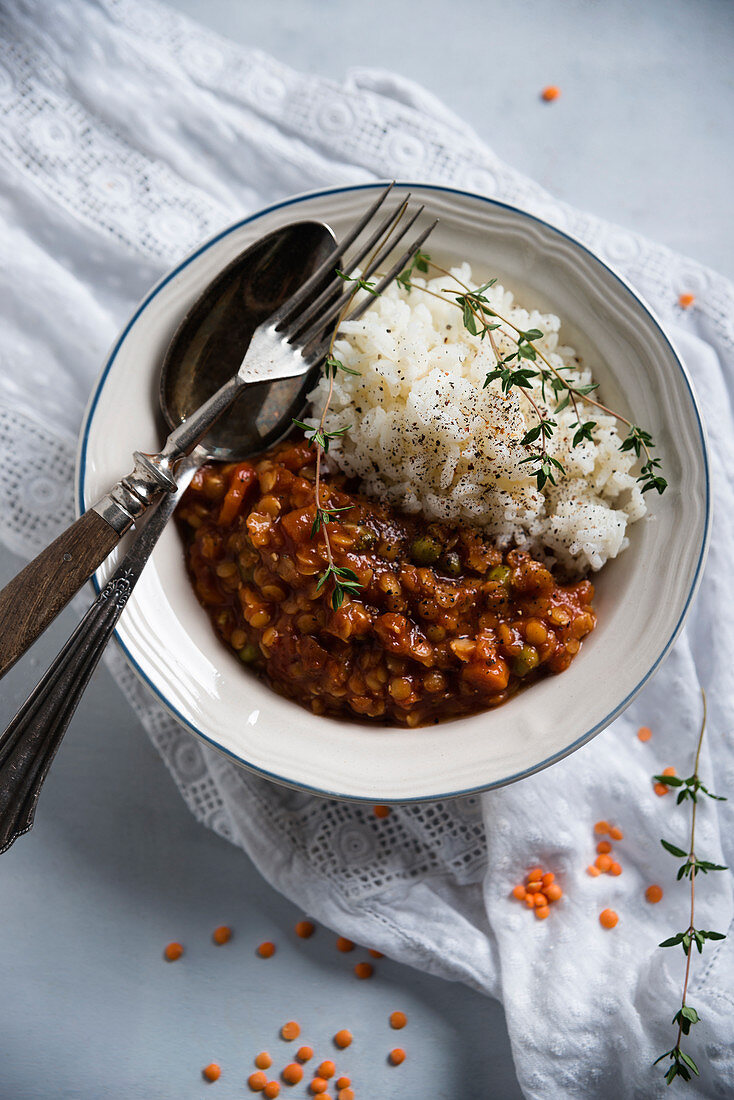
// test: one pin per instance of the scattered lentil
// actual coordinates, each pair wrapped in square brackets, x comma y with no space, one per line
[653,894]
[685,301]
[290,1031]
[397,1056]
[221,935]
[305,929]
[173,951]
[343,944]
[343,1038]
[318,1085]
[608,918]
[271,1090]
[304,1054]
[551,93]
[326,1069]
[263,1060]
[644,733]
[212,1072]
[364,970]
[381,811]
[660,788]
[266,950]
[398,1020]
[257,1081]
[292,1074]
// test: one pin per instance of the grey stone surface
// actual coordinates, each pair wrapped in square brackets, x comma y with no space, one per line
[116,866]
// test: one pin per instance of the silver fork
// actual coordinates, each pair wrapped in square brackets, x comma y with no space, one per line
[288,345]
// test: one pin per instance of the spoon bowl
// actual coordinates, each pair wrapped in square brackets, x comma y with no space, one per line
[208,345]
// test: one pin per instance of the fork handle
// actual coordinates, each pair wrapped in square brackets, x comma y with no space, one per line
[29,744]
[35,597]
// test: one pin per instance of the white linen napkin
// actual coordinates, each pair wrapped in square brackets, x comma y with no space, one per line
[100,192]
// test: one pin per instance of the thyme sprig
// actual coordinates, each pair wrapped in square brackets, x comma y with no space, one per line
[525,365]
[520,369]
[681,1063]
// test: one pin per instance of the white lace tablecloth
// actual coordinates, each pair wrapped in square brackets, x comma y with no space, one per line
[127,136]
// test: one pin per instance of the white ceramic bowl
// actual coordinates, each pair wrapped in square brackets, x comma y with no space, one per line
[642,598]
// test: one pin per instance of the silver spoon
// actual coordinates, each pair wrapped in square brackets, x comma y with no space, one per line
[244,295]
[206,349]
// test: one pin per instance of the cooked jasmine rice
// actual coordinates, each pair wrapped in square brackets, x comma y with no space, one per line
[426,436]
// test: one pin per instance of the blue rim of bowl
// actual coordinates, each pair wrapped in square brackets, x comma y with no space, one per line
[589,734]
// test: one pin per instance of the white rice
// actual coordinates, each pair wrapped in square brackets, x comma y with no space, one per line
[425,436]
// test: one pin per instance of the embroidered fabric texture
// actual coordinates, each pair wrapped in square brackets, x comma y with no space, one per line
[98,196]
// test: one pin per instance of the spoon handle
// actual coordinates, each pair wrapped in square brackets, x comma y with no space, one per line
[33,599]
[29,744]
[35,596]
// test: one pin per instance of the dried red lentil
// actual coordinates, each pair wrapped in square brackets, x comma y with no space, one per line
[539,891]
[292,1074]
[173,951]
[212,1072]
[222,935]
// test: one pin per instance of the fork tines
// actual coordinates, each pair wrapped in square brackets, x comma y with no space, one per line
[303,322]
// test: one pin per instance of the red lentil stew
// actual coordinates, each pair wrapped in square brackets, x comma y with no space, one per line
[444,624]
